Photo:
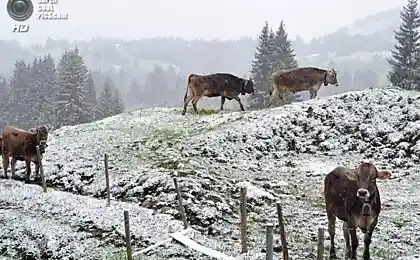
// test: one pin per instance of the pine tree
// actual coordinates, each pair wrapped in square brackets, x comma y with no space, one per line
[284,53]
[49,88]
[71,98]
[404,61]
[272,50]
[20,91]
[261,69]
[284,57]
[104,101]
[117,102]
[4,101]
[91,100]
[155,83]
[35,99]
[133,95]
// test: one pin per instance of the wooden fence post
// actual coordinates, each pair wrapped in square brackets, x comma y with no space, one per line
[282,232]
[108,193]
[180,206]
[127,235]
[244,224]
[41,169]
[269,242]
[320,244]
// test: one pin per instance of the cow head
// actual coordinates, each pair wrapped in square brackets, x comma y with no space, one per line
[42,133]
[365,178]
[331,78]
[248,87]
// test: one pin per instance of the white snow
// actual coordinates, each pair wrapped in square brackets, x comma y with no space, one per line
[279,154]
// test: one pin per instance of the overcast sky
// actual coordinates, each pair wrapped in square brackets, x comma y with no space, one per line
[215,19]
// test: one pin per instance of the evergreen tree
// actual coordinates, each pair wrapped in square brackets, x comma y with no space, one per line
[155,83]
[284,57]
[284,53]
[91,100]
[134,95]
[20,90]
[4,101]
[272,50]
[404,59]
[117,102]
[261,69]
[110,102]
[71,97]
[33,101]
[49,88]
[105,99]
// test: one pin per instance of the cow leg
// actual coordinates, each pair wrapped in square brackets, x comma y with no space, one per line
[5,163]
[346,239]
[187,100]
[28,170]
[13,167]
[194,103]
[311,94]
[37,171]
[222,102]
[240,103]
[331,231]
[368,239]
[273,96]
[354,241]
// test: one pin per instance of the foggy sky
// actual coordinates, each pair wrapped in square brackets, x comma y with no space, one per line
[190,19]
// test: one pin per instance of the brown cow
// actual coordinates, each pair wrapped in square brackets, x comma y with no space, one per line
[300,79]
[42,132]
[353,197]
[20,145]
[213,85]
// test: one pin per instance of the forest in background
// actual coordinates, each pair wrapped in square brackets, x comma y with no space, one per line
[141,68]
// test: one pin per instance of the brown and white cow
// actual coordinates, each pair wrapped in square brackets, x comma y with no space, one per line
[214,85]
[21,145]
[300,79]
[353,197]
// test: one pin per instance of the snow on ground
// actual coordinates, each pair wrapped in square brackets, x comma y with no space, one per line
[280,154]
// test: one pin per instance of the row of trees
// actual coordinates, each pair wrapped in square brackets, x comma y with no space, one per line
[405,56]
[274,52]
[43,93]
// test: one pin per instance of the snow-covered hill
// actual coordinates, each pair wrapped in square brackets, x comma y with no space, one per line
[280,154]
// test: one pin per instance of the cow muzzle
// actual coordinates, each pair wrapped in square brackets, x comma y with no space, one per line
[363,193]
[366,209]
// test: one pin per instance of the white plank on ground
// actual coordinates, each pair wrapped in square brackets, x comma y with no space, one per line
[158,244]
[197,247]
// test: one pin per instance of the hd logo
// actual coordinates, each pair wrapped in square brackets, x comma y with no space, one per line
[20,11]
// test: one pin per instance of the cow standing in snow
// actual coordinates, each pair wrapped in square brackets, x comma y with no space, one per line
[225,85]
[353,197]
[300,79]
[21,146]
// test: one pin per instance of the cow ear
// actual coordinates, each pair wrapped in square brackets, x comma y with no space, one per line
[383,174]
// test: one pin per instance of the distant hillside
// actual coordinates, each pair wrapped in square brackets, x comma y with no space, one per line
[360,49]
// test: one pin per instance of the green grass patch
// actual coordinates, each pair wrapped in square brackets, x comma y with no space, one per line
[400,222]
[122,255]
[207,112]
[162,150]
[382,253]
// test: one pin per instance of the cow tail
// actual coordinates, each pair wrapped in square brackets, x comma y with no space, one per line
[188,85]
[186,93]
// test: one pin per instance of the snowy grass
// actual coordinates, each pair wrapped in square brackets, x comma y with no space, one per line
[280,154]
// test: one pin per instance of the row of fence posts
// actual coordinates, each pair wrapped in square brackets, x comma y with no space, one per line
[243,224]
